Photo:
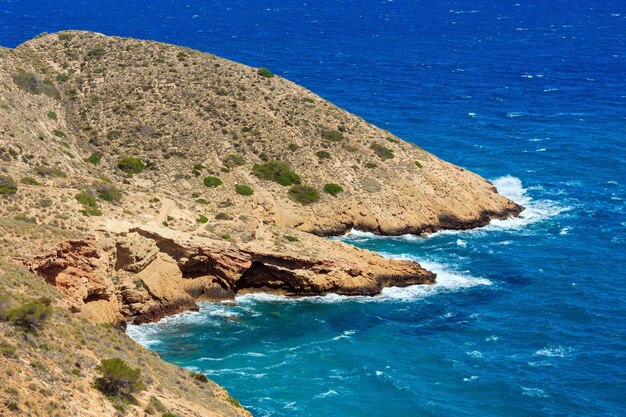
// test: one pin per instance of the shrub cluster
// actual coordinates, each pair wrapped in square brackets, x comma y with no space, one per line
[51,172]
[383,152]
[232,161]
[332,135]
[7,185]
[108,192]
[30,316]
[323,154]
[89,203]
[28,181]
[243,189]
[264,72]
[95,158]
[212,182]
[118,379]
[130,165]
[277,171]
[304,194]
[333,189]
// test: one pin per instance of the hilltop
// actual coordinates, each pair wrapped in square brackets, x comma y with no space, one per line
[138,177]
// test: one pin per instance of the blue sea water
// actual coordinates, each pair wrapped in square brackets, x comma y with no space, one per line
[528,317]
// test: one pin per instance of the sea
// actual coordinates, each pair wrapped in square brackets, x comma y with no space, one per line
[528,317]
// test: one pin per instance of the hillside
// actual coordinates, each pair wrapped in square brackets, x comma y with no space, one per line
[137,178]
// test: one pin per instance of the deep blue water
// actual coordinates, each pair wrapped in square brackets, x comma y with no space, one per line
[529,316]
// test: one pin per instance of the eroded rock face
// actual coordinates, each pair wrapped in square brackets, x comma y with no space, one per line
[174,273]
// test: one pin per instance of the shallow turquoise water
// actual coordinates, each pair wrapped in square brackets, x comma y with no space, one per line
[528,315]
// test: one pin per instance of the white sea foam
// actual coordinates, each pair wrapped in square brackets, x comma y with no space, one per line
[554,351]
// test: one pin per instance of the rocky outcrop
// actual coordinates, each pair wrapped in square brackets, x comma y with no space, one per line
[149,273]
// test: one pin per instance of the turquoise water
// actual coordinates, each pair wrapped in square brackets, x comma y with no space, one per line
[528,316]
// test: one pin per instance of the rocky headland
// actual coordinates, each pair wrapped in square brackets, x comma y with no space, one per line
[137,178]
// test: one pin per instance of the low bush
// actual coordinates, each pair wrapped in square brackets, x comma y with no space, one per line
[118,379]
[49,172]
[277,171]
[58,133]
[33,84]
[304,194]
[291,238]
[232,161]
[95,158]
[97,52]
[383,152]
[264,72]
[370,165]
[332,135]
[333,189]
[108,192]
[202,219]
[212,182]
[243,189]
[7,185]
[234,401]
[293,147]
[30,316]
[199,377]
[89,203]
[418,164]
[28,181]
[63,78]
[52,115]
[222,216]
[322,154]
[130,165]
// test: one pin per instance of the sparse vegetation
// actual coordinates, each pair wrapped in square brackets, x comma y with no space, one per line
[322,154]
[264,72]
[291,238]
[7,185]
[34,84]
[304,194]
[130,165]
[277,171]
[96,53]
[202,219]
[108,192]
[95,158]
[233,161]
[332,135]
[30,316]
[26,181]
[370,165]
[383,152]
[199,377]
[52,115]
[418,164]
[333,189]
[243,189]
[212,182]
[58,133]
[234,401]
[63,78]
[293,147]
[49,172]
[89,203]
[118,379]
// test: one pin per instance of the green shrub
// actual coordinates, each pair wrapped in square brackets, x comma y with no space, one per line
[418,164]
[199,377]
[243,189]
[52,115]
[89,203]
[51,172]
[58,133]
[95,158]
[234,401]
[212,182]
[322,155]
[33,84]
[97,52]
[108,192]
[114,134]
[291,238]
[64,144]
[198,167]
[308,100]
[304,194]
[332,135]
[293,147]
[277,171]
[370,165]
[264,72]
[202,219]
[333,189]
[28,181]
[202,201]
[382,152]
[7,185]
[30,316]
[130,165]
[232,161]
[63,78]
[169,414]
[118,379]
